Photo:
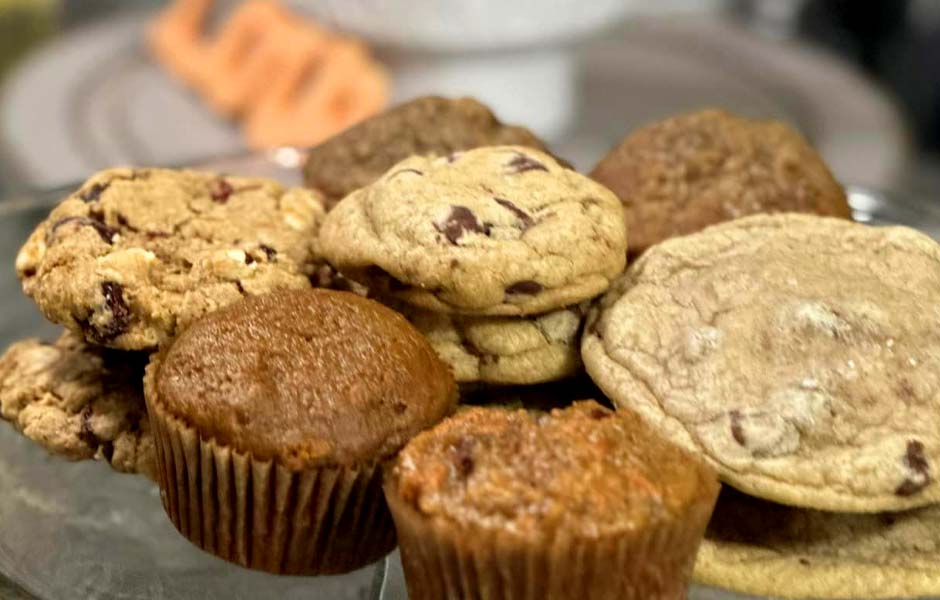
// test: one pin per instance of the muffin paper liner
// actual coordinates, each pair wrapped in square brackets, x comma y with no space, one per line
[442,559]
[261,515]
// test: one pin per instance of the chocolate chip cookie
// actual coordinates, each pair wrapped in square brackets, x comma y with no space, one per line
[798,354]
[504,350]
[761,548]
[133,256]
[678,175]
[79,401]
[427,125]
[503,230]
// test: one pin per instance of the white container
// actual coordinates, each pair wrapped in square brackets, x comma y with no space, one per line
[514,55]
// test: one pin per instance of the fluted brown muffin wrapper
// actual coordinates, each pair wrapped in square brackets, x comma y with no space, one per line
[261,515]
[444,560]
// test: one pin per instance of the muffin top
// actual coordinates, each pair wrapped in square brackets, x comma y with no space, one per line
[584,469]
[680,174]
[308,377]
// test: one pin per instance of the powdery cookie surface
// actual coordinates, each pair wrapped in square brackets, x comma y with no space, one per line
[761,548]
[493,231]
[798,354]
[79,401]
[683,173]
[135,255]
[504,350]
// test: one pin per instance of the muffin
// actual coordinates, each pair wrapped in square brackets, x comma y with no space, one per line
[427,125]
[272,420]
[680,174]
[581,502]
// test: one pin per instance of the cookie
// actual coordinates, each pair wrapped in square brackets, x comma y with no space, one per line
[798,354]
[504,350]
[680,174]
[493,231]
[757,547]
[134,256]
[427,125]
[78,401]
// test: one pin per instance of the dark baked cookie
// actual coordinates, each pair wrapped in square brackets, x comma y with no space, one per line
[427,125]
[680,174]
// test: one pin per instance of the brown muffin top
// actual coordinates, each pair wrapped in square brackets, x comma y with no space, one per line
[426,125]
[304,377]
[683,173]
[584,469]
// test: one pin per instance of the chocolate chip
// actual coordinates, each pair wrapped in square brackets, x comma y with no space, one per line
[107,450]
[133,421]
[737,431]
[600,413]
[29,272]
[400,171]
[522,163]
[240,287]
[85,433]
[123,222]
[459,221]
[220,190]
[805,562]
[916,461]
[524,287]
[522,215]
[107,233]
[152,235]
[120,319]
[270,252]
[384,280]
[463,457]
[93,194]
[249,259]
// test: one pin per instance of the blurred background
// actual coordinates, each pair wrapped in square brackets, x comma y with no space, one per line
[86,84]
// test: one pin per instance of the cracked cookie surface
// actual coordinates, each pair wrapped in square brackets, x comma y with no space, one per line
[135,255]
[428,125]
[683,173]
[493,231]
[79,401]
[757,547]
[798,354]
[504,350]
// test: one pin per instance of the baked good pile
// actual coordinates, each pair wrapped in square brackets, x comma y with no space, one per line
[313,375]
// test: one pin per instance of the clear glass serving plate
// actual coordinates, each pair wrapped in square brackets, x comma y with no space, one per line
[79,530]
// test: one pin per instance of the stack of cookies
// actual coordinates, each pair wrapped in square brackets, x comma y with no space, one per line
[490,252]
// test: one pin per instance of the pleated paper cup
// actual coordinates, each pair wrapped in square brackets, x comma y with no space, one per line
[443,559]
[262,515]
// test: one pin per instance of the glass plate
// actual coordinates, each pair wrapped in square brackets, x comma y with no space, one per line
[80,530]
